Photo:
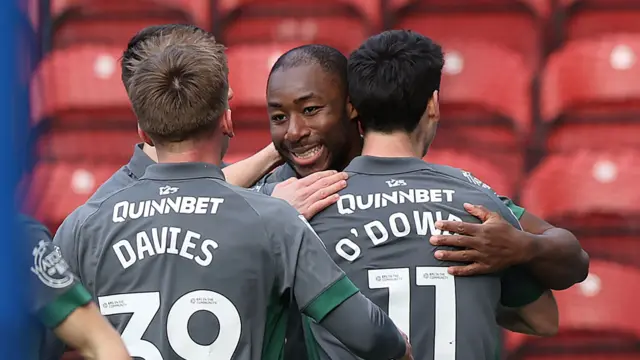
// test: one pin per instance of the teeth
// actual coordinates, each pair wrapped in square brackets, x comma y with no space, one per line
[309,153]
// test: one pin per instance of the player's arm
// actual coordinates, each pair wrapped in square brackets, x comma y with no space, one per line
[557,260]
[526,306]
[64,305]
[553,255]
[88,332]
[247,172]
[326,295]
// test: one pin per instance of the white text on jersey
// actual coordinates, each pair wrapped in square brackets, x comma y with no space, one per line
[399,225]
[165,240]
[171,205]
[349,203]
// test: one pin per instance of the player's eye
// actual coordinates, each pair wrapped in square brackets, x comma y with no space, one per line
[311,110]
[278,117]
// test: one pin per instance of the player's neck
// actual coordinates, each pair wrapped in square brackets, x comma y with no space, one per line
[190,151]
[150,151]
[397,144]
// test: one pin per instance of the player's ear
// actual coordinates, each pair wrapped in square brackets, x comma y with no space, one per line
[433,107]
[145,138]
[351,111]
[226,124]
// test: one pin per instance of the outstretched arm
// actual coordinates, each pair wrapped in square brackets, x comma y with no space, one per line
[247,172]
[553,255]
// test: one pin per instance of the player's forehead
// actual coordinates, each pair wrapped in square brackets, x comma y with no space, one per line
[289,84]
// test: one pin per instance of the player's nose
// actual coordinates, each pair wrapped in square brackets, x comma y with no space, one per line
[297,129]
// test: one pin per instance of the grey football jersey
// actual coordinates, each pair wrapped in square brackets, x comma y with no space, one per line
[186,266]
[56,293]
[125,175]
[378,232]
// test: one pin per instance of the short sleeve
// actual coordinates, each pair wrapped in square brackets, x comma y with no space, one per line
[305,267]
[519,288]
[66,239]
[515,209]
[56,290]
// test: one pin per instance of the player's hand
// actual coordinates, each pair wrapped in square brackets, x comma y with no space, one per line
[408,354]
[313,193]
[488,247]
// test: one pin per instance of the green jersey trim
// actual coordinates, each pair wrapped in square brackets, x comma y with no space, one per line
[58,310]
[330,298]
[515,209]
[519,289]
[309,340]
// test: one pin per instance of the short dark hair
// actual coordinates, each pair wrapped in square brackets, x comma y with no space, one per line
[180,88]
[391,78]
[131,53]
[328,58]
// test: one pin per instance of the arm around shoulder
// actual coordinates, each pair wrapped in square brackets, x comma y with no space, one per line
[245,173]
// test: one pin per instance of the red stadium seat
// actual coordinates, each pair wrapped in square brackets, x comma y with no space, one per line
[485,108]
[590,93]
[339,23]
[89,145]
[599,318]
[81,86]
[116,21]
[586,19]
[586,190]
[245,143]
[249,70]
[500,180]
[512,24]
[58,188]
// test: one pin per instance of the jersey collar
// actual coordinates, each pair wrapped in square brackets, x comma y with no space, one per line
[183,171]
[385,166]
[139,162]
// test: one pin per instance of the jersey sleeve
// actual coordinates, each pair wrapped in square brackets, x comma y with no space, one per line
[519,288]
[56,291]
[305,268]
[66,239]
[515,209]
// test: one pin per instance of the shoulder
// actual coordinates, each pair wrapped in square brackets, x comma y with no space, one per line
[265,206]
[475,188]
[117,181]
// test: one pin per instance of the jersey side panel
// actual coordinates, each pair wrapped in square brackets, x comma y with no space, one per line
[384,249]
[181,268]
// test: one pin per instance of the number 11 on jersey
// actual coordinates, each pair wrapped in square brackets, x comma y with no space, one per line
[398,282]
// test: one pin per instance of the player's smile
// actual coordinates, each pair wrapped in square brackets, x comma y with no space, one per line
[307,156]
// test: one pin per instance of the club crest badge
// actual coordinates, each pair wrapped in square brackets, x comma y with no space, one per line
[49,266]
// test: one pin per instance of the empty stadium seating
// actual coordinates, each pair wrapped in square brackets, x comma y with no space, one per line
[340,23]
[590,94]
[511,24]
[58,188]
[586,189]
[599,319]
[113,22]
[81,86]
[111,146]
[485,108]
[589,19]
